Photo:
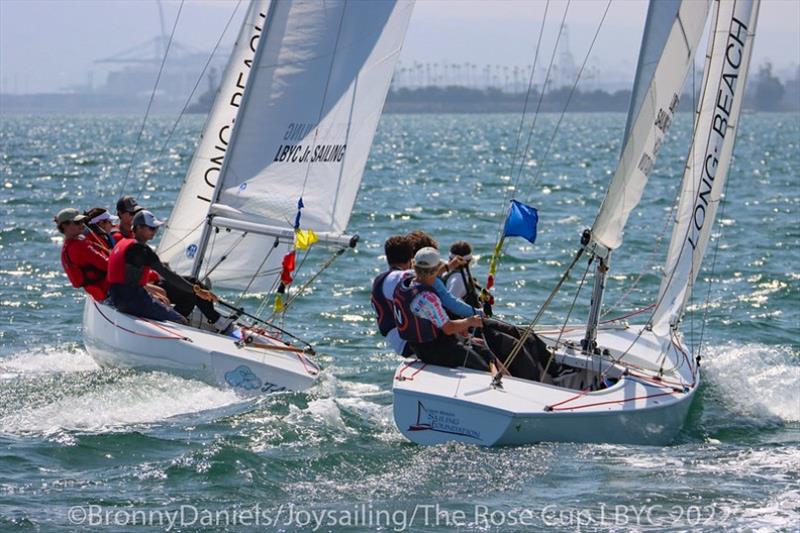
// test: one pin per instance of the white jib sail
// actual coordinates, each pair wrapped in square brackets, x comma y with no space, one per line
[304,130]
[730,46]
[672,32]
[178,244]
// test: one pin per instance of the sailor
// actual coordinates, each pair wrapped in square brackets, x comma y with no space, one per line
[84,264]
[100,224]
[399,253]
[493,340]
[459,281]
[126,209]
[423,322]
[129,267]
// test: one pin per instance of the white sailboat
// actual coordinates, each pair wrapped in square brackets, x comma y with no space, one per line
[624,383]
[291,128]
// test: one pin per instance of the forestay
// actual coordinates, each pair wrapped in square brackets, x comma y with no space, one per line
[728,57]
[304,127]
[672,32]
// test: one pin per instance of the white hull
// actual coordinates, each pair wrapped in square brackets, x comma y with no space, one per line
[115,339]
[436,404]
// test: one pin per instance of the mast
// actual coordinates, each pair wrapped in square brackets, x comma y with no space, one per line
[671,35]
[235,128]
[179,243]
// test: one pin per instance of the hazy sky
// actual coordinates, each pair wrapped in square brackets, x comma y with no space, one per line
[46,45]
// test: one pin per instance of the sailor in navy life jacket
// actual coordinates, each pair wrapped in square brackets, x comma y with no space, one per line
[423,322]
[398,254]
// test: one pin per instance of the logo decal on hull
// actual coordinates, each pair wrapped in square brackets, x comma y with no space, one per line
[441,422]
[242,377]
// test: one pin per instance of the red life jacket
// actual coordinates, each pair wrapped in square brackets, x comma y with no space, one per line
[116,264]
[90,278]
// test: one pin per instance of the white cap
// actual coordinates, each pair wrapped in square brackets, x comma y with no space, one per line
[105,215]
[427,257]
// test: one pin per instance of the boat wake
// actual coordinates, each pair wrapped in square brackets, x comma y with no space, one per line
[755,380]
[53,390]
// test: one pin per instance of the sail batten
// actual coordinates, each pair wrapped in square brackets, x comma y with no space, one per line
[672,32]
[709,157]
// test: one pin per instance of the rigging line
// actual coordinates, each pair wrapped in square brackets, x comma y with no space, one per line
[569,99]
[171,246]
[544,306]
[714,260]
[257,272]
[309,281]
[224,255]
[541,95]
[210,254]
[324,95]
[191,95]
[296,271]
[650,262]
[150,103]
[566,320]
[515,152]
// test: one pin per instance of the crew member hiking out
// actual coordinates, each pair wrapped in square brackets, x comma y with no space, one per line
[84,264]
[129,268]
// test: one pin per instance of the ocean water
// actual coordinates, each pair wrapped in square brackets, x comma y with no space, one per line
[118,450]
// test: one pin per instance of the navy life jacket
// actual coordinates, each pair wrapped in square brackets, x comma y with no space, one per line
[411,327]
[382,306]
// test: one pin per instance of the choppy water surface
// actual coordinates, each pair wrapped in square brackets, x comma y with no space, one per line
[74,435]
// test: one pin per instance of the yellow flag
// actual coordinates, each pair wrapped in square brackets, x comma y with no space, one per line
[304,238]
[278,305]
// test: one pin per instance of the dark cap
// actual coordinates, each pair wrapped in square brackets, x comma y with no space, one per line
[127,204]
[145,218]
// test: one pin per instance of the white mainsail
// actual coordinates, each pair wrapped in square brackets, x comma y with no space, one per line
[303,131]
[672,32]
[730,46]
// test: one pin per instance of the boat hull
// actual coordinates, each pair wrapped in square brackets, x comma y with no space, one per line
[114,339]
[433,405]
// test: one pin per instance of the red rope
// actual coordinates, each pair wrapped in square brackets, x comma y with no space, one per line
[305,366]
[553,408]
[400,376]
[587,390]
[136,332]
[163,328]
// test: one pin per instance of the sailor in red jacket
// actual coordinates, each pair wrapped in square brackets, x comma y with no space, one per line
[130,266]
[84,264]
[126,209]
